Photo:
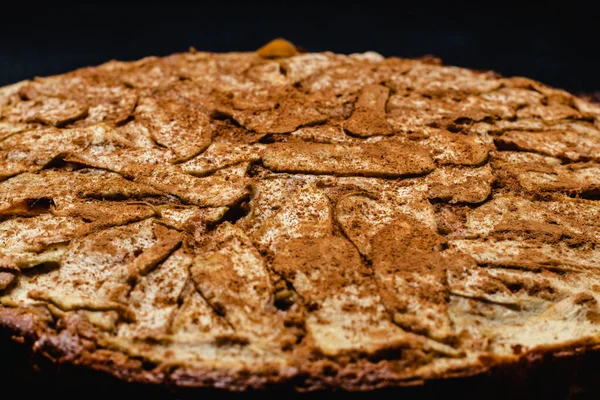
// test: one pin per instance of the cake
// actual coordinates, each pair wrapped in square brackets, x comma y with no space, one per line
[309,221]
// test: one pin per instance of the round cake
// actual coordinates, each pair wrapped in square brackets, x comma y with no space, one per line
[312,221]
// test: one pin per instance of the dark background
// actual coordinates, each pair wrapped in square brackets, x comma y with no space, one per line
[557,44]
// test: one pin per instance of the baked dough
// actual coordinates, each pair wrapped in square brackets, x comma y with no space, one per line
[311,220]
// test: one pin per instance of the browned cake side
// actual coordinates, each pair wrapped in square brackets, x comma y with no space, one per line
[316,221]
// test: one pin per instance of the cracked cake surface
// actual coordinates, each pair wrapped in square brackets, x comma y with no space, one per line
[311,220]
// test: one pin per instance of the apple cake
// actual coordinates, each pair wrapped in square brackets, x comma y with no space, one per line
[314,221]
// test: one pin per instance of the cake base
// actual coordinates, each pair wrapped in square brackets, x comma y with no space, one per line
[553,376]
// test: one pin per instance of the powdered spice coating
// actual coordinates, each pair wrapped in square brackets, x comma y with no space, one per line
[320,221]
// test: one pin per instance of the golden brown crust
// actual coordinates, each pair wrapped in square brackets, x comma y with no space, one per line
[316,221]
[27,327]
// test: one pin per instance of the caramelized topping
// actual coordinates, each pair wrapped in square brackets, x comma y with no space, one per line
[277,48]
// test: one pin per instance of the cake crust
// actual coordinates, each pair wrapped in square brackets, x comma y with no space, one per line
[311,221]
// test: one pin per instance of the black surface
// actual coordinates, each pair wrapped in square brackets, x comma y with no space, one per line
[554,43]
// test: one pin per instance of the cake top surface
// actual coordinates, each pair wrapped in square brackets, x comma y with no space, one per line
[311,219]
